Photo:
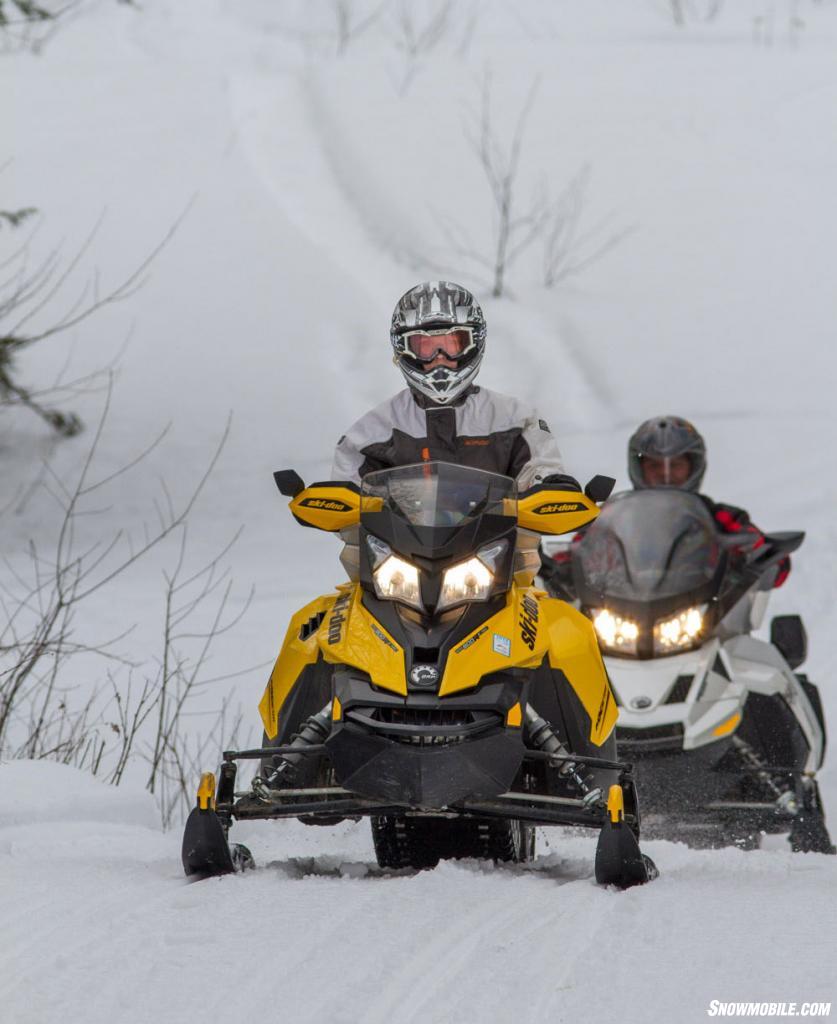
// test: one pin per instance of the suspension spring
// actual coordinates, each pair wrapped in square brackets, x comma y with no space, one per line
[543,737]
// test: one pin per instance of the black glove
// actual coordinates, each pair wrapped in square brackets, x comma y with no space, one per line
[563,481]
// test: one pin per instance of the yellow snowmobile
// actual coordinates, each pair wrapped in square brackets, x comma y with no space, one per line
[438,693]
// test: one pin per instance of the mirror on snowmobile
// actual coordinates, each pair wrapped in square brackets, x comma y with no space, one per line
[775,546]
[784,543]
[599,488]
[289,482]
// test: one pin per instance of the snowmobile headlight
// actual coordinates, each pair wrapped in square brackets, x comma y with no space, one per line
[379,550]
[615,633]
[679,632]
[471,580]
[397,580]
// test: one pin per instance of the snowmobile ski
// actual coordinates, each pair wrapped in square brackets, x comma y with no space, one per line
[619,861]
[205,850]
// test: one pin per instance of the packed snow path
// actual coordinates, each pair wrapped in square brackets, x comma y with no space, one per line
[100,926]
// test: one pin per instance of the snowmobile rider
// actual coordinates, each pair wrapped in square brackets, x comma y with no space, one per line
[438,339]
[667,451]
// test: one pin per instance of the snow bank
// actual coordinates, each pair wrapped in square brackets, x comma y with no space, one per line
[36,792]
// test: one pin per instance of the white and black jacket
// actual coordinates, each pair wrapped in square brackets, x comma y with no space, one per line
[485,430]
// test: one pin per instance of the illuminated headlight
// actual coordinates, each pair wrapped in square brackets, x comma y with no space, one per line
[615,633]
[394,579]
[397,580]
[471,580]
[679,632]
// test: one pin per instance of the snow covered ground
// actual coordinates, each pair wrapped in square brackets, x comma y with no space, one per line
[99,926]
[319,192]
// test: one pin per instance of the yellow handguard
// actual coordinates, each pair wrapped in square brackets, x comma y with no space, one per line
[547,510]
[329,507]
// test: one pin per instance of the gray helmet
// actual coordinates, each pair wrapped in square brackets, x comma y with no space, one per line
[433,307]
[666,437]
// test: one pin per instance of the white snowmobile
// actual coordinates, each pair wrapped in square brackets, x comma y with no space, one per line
[726,735]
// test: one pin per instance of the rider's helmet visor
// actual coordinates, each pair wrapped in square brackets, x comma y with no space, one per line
[666,470]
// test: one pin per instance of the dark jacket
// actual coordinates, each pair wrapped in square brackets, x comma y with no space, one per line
[731,520]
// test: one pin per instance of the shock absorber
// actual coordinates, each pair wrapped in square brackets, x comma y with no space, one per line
[787,801]
[543,737]
[314,731]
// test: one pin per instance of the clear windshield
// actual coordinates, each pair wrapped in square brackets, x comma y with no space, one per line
[439,494]
[647,545]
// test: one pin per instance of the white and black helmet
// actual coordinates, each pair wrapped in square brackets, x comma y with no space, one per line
[665,438]
[438,318]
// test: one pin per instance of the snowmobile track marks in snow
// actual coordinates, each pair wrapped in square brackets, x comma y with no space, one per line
[447,953]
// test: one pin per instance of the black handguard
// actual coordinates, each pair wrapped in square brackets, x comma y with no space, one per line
[562,480]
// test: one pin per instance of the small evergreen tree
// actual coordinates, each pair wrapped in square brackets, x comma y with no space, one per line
[16,11]
[17,292]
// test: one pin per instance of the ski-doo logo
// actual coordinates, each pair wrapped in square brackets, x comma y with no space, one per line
[326,504]
[381,635]
[559,506]
[338,618]
[529,621]
[471,640]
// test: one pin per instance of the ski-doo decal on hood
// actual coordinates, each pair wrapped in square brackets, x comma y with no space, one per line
[339,627]
[478,656]
[361,641]
[538,626]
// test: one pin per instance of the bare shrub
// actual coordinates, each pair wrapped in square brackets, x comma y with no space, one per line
[352,19]
[41,639]
[684,11]
[567,248]
[176,753]
[569,244]
[499,160]
[415,39]
[27,292]
[30,24]
[773,23]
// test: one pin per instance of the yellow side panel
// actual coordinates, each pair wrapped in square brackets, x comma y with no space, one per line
[328,508]
[512,637]
[293,657]
[574,650]
[351,636]
[552,511]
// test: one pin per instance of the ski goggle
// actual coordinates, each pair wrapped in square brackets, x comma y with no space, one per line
[451,342]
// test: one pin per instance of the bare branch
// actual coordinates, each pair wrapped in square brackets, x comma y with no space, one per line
[513,233]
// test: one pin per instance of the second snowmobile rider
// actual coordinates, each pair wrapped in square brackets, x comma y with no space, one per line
[438,340]
[667,451]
